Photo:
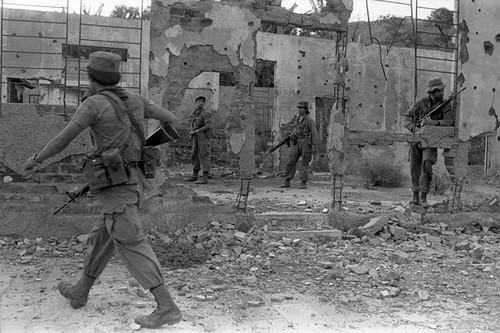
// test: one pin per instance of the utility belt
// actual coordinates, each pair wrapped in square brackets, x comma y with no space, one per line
[304,136]
[110,169]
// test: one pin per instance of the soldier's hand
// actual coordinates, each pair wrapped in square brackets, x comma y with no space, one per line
[192,133]
[432,123]
[29,165]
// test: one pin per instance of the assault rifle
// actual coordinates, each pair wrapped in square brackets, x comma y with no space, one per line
[73,195]
[426,117]
[286,140]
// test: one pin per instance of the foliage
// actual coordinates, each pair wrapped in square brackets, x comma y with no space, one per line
[122,11]
[179,255]
[380,172]
[435,31]
[440,183]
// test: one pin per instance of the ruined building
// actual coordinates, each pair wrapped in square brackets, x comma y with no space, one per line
[225,51]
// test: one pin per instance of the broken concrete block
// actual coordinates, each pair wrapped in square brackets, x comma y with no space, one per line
[400,257]
[462,246]
[375,225]
[239,235]
[397,232]
[476,253]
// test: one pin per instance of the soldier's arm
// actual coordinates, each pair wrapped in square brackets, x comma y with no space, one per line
[410,117]
[448,116]
[59,142]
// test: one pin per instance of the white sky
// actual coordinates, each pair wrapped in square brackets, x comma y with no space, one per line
[376,7]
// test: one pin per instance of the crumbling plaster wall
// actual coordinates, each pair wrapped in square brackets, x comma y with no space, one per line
[480,71]
[40,55]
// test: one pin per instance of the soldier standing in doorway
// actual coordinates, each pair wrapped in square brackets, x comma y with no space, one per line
[423,159]
[303,142]
[200,134]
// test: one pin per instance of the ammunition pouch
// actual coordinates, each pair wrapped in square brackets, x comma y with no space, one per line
[105,170]
[151,160]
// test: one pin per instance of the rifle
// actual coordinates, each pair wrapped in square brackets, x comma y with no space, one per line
[425,118]
[73,195]
[279,144]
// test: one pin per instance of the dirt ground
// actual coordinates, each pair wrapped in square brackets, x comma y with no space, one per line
[433,279]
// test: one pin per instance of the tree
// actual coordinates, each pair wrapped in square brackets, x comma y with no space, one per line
[122,11]
[397,31]
[442,19]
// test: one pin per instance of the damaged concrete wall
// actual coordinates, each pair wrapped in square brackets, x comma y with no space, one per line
[479,71]
[190,38]
[37,39]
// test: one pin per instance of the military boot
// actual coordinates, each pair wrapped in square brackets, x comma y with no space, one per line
[203,179]
[423,200]
[416,199]
[78,294]
[192,178]
[166,312]
[285,184]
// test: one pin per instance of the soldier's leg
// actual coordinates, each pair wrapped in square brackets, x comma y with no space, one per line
[293,157]
[100,248]
[194,162]
[306,156]
[204,160]
[415,166]
[429,158]
[138,256]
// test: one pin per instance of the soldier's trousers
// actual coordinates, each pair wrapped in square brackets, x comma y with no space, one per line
[421,162]
[200,156]
[120,229]
[300,150]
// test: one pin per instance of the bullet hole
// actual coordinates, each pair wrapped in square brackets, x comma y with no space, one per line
[479,10]
[475,87]
[375,86]
[497,38]
[298,92]
[54,41]
[300,67]
[14,34]
[326,81]
[302,53]
[378,123]
[488,48]
[477,33]
[322,58]
[185,63]
[250,24]
[381,106]
[360,105]
[494,89]
[40,34]
[359,73]
[17,55]
[298,77]
[225,49]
